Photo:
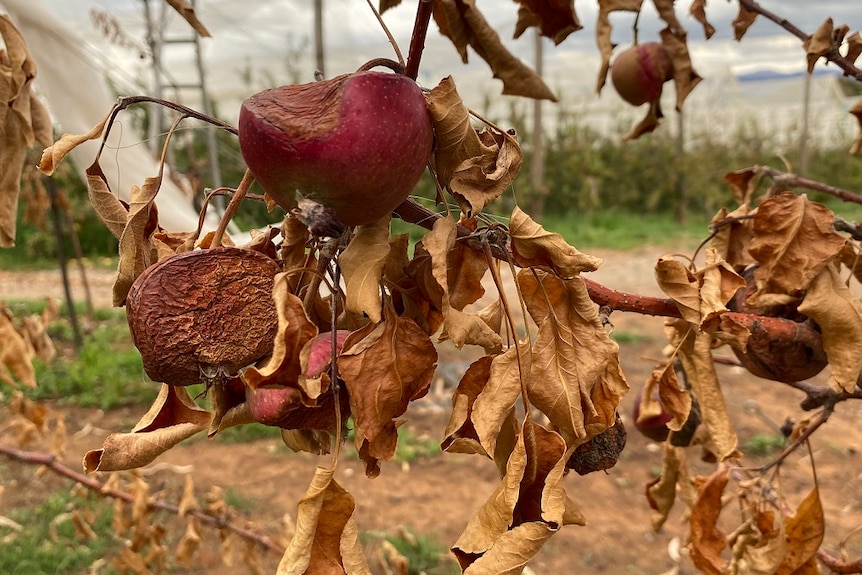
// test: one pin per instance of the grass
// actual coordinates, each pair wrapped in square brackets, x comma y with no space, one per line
[764,444]
[47,543]
[423,552]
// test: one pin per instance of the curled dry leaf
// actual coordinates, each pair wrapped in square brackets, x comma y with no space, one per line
[818,44]
[475,166]
[385,366]
[856,110]
[742,184]
[838,312]
[555,19]
[854,46]
[327,538]
[803,534]
[685,79]
[603,33]
[744,19]
[575,378]
[707,540]
[460,436]
[671,397]
[22,122]
[187,11]
[698,11]
[173,417]
[648,123]
[695,353]
[16,354]
[528,506]
[794,239]
[675,476]
[461,327]
[732,235]
[533,246]
[54,154]
[463,23]
[362,265]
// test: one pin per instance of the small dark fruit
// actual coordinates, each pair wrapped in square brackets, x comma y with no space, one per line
[356,144]
[203,315]
[601,452]
[639,73]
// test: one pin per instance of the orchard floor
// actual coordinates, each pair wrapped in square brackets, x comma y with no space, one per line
[436,494]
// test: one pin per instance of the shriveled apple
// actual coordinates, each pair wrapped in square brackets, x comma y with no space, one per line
[356,144]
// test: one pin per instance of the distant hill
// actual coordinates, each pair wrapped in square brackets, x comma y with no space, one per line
[767,75]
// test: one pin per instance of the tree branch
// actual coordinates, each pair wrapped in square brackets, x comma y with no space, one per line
[417,39]
[833,55]
[787,179]
[50,461]
[837,565]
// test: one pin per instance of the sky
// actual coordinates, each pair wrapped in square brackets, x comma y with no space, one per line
[273,39]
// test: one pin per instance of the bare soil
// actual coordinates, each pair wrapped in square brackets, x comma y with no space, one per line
[435,495]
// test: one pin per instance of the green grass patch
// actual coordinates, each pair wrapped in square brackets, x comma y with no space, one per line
[624,337]
[412,447]
[424,553]
[764,444]
[47,543]
[248,433]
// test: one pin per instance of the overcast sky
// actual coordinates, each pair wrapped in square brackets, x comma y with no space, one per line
[264,33]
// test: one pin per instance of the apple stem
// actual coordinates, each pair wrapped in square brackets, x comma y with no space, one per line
[417,40]
[232,207]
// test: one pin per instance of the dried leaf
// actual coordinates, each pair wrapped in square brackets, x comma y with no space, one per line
[698,11]
[463,24]
[556,19]
[385,5]
[575,378]
[804,534]
[188,545]
[460,436]
[173,417]
[137,251]
[54,154]
[495,402]
[707,540]
[685,79]
[695,352]
[294,331]
[603,33]
[461,327]
[732,235]
[326,539]
[672,398]
[390,366]
[16,355]
[475,166]
[838,312]
[818,44]
[744,19]
[854,46]
[661,492]
[533,246]
[793,241]
[677,281]
[187,11]
[742,184]
[362,265]
[648,123]
[113,213]
[856,110]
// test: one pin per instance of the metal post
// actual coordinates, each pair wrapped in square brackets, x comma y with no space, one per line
[537,165]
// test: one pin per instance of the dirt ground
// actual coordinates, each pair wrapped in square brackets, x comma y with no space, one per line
[435,495]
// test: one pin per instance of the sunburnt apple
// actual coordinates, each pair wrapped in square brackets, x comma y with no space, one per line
[356,144]
[655,427]
[639,73]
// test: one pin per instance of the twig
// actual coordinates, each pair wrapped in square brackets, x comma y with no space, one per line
[417,40]
[792,180]
[824,416]
[833,55]
[50,461]
[839,566]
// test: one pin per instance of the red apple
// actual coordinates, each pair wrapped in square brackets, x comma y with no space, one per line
[639,73]
[356,144]
[655,427]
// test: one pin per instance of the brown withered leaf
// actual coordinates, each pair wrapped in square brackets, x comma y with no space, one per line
[362,266]
[555,18]
[173,417]
[648,123]
[707,540]
[394,269]
[698,11]
[575,379]
[137,250]
[742,184]
[695,353]
[463,23]
[385,5]
[314,441]
[744,19]
[854,46]
[495,402]
[461,327]
[188,545]
[673,399]
[187,11]
[16,355]
[666,12]
[661,492]
[685,79]
[838,312]
[678,281]
[533,246]
[732,234]
[793,241]
[603,33]
[768,546]
[475,166]
[385,370]
[528,506]
[326,541]
[856,111]
[467,267]
[294,331]
[460,435]
[804,534]
[818,44]
[54,154]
